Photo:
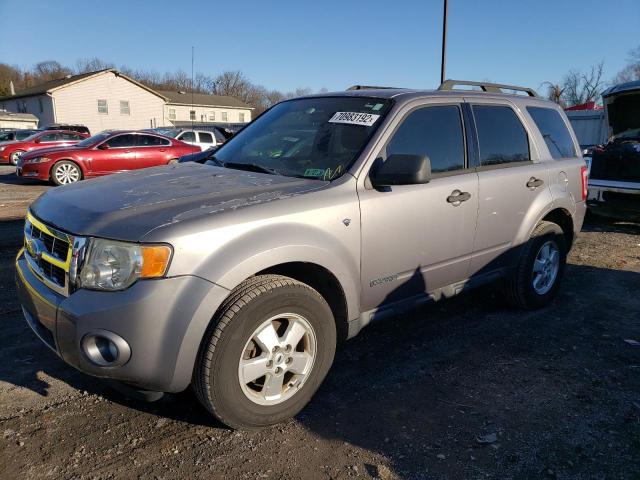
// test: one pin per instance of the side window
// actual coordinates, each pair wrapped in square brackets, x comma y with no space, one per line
[205,137]
[151,141]
[433,131]
[122,141]
[50,137]
[68,136]
[188,137]
[501,136]
[554,131]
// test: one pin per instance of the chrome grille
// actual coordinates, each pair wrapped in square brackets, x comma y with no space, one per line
[48,252]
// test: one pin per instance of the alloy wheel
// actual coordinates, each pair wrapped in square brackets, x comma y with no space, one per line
[67,173]
[277,360]
[546,267]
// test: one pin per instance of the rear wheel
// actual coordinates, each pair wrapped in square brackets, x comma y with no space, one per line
[537,277]
[266,353]
[65,172]
[13,158]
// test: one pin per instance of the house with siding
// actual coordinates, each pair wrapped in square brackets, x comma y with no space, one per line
[102,100]
[109,100]
[184,108]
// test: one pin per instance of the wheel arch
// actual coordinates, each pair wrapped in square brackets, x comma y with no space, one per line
[78,164]
[564,220]
[324,281]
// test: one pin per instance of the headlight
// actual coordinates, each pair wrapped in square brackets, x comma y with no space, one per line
[38,160]
[113,265]
[2,148]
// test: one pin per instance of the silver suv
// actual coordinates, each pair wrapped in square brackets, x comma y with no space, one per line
[239,276]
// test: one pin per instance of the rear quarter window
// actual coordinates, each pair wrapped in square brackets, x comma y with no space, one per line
[554,131]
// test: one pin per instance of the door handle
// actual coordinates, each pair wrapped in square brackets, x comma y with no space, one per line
[534,183]
[457,197]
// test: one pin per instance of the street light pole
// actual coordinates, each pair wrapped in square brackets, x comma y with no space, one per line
[444,42]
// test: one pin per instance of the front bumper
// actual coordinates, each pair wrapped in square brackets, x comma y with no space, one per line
[39,171]
[163,322]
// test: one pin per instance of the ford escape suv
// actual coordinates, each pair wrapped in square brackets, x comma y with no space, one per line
[238,276]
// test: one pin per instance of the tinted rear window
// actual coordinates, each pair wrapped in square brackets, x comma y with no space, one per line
[501,136]
[554,131]
[435,132]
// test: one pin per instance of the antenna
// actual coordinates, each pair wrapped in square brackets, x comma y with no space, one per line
[192,107]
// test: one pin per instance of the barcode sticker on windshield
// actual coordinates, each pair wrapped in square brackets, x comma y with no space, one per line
[354,118]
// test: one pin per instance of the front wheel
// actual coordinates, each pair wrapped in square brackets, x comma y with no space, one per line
[13,158]
[537,277]
[266,353]
[65,172]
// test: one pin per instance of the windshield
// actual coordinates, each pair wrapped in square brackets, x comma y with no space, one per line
[25,134]
[313,138]
[87,142]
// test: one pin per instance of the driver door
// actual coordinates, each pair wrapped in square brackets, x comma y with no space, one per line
[414,239]
[117,157]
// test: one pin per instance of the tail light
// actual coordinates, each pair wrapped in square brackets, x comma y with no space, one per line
[585,180]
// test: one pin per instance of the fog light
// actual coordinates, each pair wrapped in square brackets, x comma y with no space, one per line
[105,349]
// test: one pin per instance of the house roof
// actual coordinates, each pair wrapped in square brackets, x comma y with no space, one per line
[27,117]
[48,87]
[202,99]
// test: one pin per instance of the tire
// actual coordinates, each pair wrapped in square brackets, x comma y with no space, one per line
[535,284]
[65,172]
[13,158]
[259,304]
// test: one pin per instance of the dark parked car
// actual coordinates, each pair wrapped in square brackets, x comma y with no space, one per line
[102,154]
[199,157]
[11,151]
[15,135]
[67,126]
[614,180]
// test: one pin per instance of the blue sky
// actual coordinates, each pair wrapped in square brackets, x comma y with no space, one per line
[326,43]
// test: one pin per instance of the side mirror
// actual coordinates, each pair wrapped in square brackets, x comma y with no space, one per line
[103,146]
[402,169]
[37,140]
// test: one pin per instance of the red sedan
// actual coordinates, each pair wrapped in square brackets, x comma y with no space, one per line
[11,151]
[102,154]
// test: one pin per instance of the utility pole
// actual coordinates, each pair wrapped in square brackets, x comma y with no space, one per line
[444,42]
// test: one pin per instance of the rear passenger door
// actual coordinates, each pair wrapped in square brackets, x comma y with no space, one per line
[205,140]
[511,180]
[151,151]
[415,239]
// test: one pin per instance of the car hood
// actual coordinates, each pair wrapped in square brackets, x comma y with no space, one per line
[129,205]
[40,151]
[8,142]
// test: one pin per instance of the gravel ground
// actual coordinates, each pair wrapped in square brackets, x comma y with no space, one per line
[463,389]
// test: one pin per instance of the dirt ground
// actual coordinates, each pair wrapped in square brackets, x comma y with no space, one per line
[463,389]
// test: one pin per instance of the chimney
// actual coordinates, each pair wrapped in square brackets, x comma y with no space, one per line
[12,89]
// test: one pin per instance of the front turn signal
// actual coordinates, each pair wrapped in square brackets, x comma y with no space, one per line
[155,260]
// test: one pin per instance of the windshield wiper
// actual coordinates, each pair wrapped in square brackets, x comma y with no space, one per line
[252,167]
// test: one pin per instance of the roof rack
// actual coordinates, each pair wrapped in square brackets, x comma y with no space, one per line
[368,87]
[486,87]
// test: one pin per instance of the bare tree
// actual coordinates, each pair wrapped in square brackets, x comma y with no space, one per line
[554,92]
[85,65]
[632,71]
[50,70]
[579,88]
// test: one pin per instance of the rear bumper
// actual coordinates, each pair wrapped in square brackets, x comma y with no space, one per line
[614,199]
[161,321]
